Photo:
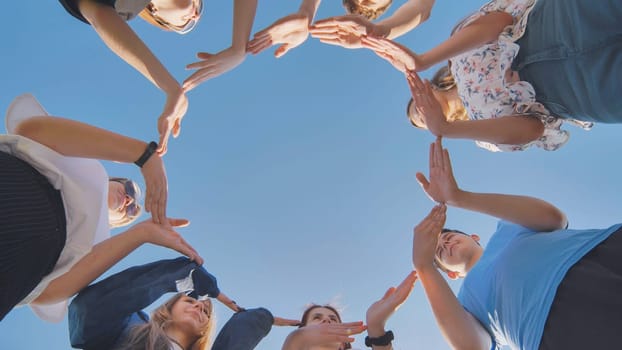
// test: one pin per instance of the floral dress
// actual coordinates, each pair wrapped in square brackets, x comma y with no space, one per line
[486,91]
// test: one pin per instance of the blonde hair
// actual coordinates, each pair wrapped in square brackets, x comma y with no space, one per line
[127,219]
[152,335]
[442,80]
[355,8]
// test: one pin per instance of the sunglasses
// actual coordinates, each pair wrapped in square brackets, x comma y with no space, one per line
[183,29]
[131,209]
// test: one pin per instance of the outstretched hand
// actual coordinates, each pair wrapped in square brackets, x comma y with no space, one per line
[166,236]
[289,31]
[213,65]
[427,105]
[322,334]
[169,121]
[398,55]
[425,238]
[380,311]
[442,186]
[346,31]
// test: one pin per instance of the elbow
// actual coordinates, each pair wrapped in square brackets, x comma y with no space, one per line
[555,220]
[30,128]
[93,12]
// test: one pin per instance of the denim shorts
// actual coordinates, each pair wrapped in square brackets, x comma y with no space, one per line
[571,53]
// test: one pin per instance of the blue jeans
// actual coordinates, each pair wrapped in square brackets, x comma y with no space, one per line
[571,53]
[101,315]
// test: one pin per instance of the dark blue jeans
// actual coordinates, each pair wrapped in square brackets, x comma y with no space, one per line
[571,53]
[101,315]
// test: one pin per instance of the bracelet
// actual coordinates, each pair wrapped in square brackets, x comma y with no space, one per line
[379,341]
[149,151]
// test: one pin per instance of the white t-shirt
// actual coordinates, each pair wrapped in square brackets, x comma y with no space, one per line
[83,184]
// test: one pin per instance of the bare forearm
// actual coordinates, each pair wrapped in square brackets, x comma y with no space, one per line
[530,212]
[407,17]
[75,139]
[101,258]
[460,329]
[243,17]
[124,42]
[309,8]
[483,30]
[510,130]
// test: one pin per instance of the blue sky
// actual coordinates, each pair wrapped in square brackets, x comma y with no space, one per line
[298,174]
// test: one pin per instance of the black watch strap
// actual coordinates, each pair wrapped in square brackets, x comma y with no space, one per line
[149,151]
[379,341]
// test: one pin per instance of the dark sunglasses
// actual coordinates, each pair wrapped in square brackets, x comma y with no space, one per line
[132,209]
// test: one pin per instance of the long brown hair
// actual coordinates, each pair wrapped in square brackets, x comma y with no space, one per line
[152,335]
[307,312]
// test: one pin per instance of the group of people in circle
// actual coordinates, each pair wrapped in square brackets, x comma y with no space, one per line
[516,71]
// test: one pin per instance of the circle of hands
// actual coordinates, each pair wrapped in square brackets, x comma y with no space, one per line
[348,31]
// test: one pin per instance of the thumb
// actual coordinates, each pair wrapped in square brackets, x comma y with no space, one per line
[282,50]
[176,222]
[176,128]
[388,293]
[422,180]
[204,55]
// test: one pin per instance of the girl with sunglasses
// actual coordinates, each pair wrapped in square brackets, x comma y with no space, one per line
[108,18]
[108,314]
[520,69]
[58,205]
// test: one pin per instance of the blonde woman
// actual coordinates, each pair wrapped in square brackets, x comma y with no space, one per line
[58,205]
[108,314]
[522,68]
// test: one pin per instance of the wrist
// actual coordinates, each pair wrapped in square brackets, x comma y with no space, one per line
[307,13]
[375,330]
[456,199]
[147,154]
[424,267]
[382,340]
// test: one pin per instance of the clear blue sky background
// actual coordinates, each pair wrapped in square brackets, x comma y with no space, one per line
[298,174]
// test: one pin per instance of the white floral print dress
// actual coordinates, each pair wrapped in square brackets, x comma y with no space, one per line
[486,92]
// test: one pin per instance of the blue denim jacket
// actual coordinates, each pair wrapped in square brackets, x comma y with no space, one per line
[101,314]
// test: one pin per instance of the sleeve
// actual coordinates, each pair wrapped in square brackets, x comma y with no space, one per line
[100,313]
[244,330]
[71,6]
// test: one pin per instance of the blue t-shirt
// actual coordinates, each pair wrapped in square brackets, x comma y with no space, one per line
[511,288]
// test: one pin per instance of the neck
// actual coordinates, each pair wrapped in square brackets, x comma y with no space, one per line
[472,261]
[180,338]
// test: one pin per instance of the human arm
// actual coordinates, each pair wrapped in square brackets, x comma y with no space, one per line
[459,327]
[348,30]
[76,139]
[529,212]
[110,251]
[124,42]
[289,31]
[481,31]
[511,130]
[213,65]
[115,299]
[380,311]
[322,334]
